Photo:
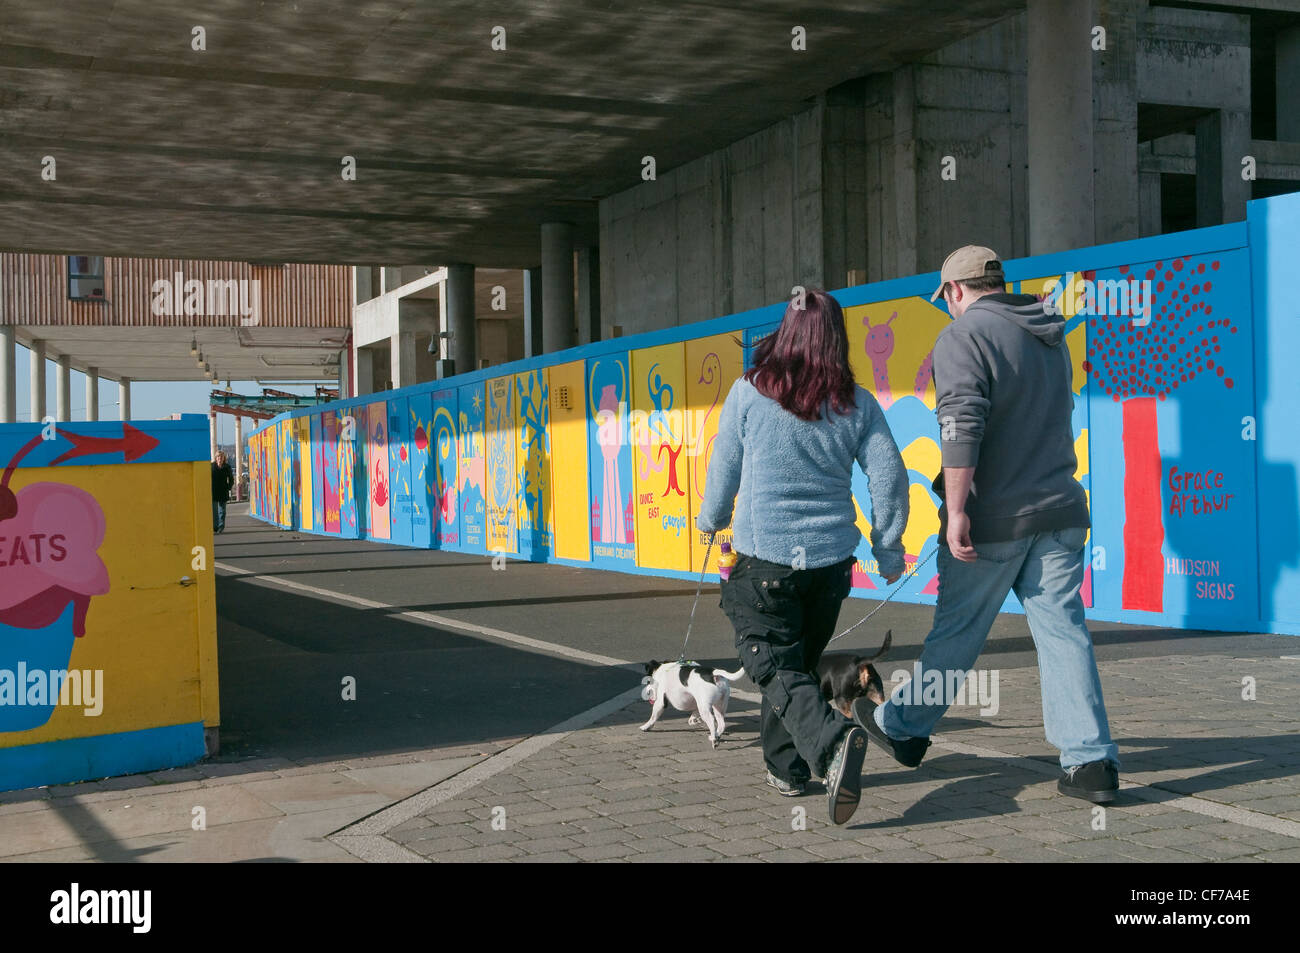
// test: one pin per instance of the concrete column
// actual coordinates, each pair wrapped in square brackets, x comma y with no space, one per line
[1288,85]
[239,452]
[532,312]
[1222,140]
[8,375]
[63,389]
[1060,186]
[459,288]
[92,393]
[124,398]
[343,377]
[37,377]
[212,434]
[557,287]
[402,348]
[588,295]
[365,365]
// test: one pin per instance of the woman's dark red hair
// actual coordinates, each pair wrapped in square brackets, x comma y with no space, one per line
[805,363]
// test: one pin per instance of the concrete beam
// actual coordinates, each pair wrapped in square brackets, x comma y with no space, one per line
[124,398]
[8,375]
[557,287]
[532,312]
[37,380]
[92,393]
[63,389]
[1061,188]
[459,289]
[402,349]
[1222,140]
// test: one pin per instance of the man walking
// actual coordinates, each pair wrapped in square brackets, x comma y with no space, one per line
[1014,518]
[222,480]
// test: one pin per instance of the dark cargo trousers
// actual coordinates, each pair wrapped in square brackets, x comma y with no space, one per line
[783,619]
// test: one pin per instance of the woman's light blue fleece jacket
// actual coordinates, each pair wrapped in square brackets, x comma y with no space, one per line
[790,482]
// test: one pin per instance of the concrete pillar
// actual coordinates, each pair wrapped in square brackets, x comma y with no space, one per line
[212,434]
[557,287]
[1222,140]
[37,378]
[588,295]
[532,312]
[124,398]
[402,348]
[63,389]
[1060,174]
[1288,85]
[459,288]
[8,375]
[343,377]
[92,393]
[239,452]
[365,364]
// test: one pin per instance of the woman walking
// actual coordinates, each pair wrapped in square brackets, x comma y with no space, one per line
[788,436]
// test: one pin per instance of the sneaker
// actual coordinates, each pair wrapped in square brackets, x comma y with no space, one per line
[907,753]
[785,788]
[844,776]
[1096,781]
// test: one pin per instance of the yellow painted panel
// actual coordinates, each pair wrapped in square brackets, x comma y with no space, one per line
[712,365]
[501,500]
[302,426]
[151,637]
[659,466]
[890,347]
[1069,303]
[569,462]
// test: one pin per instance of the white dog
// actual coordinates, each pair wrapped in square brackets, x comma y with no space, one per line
[691,687]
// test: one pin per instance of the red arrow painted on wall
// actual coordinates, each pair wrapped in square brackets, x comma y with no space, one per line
[133,444]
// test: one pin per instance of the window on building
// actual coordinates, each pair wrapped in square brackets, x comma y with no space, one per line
[85,277]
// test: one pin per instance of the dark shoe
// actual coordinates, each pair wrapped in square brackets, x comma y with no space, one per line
[844,776]
[907,753]
[1096,781]
[784,788]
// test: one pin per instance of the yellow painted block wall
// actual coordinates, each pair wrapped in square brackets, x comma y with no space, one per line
[712,366]
[569,462]
[152,635]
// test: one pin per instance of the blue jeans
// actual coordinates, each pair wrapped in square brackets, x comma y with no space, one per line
[218,516]
[1045,571]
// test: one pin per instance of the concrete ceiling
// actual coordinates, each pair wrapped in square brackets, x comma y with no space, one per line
[462,151]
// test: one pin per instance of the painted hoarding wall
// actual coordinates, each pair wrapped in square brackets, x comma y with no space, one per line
[107,600]
[599,455]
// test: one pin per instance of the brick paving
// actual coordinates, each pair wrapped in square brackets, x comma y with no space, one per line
[1190,745]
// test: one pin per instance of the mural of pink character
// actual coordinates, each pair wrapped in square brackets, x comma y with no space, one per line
[879,347]
[611,489]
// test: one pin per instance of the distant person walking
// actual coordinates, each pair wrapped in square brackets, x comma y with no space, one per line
[1014,518]
[222,480]
[789,433]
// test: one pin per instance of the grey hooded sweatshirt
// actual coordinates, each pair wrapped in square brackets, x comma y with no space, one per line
[1003,380]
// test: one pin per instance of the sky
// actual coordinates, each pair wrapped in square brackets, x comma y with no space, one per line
[149,399]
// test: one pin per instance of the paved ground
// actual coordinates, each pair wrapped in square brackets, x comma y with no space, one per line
[496,719]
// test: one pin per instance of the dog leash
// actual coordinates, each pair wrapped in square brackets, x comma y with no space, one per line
[895,591]
[698,587]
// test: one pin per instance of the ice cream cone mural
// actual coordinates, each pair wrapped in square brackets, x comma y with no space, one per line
[50,570]
[610,459]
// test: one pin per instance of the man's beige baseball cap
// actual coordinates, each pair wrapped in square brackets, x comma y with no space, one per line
[969,261]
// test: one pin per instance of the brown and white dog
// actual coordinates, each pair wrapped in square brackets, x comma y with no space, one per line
[692,687]
[845,677]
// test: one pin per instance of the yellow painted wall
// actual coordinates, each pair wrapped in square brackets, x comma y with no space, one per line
[302,429]
[661,503]
[532,459]
[153,638]
[569,462]
[712,366]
